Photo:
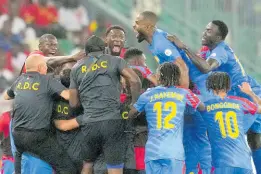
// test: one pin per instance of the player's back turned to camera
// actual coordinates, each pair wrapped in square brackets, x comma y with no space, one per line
[164,106]
[227,125]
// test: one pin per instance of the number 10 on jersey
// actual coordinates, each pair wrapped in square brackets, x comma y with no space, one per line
[170,107]
[225,125]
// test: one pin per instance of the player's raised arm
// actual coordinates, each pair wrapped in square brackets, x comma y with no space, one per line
[152,78]
[246,88]
[184,77]
[214,34]
[59,60]
[135,84]
[132,77]
[74,93]
[203,65]
[172,55]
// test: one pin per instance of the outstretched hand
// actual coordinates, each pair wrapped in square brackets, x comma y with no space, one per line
[174,39]
[79,55]
[245,87]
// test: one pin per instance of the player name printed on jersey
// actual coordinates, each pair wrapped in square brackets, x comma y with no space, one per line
[164,107]
[227,121]
[222,105]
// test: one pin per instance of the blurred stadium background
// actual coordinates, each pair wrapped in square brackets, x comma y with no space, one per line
[71,21]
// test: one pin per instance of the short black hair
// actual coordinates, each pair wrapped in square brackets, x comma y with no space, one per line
[218,81]
[117,27]
[94,44]
[131,52]
[151,16]
[191,85]
[169,74]
[222,27]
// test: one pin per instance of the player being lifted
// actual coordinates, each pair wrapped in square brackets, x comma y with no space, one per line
[159,45]
[227,125]
[165,51]
[220,57]
[164,107]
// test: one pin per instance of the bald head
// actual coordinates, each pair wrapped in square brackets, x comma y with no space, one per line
[36,62]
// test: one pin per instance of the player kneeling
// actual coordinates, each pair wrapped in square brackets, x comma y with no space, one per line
[227,125]
[164,106]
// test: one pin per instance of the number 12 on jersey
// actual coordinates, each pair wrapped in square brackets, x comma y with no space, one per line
[170,107]
[225,124]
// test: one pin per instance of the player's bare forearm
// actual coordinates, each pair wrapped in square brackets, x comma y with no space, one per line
[65,94]
[199,62]
[132,113]
[255,98]
[66,125]
[74,98]
[184,79]
[135,84]
[184,72]
[152,78]
[202,64]
[59,60]
[135,87]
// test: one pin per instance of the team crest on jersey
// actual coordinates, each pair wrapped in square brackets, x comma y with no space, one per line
[168,52]
[213,55]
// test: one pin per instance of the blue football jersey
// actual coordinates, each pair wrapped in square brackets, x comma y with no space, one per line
[166,51]
[196,142]
[227,125]
[197,77]
[229,63]
[164,107]
[162,48]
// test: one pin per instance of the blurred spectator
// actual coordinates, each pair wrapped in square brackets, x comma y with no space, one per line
[17,55]
[99,26]
[45,14]
[18,25]
[27,11]
[7,37]
[74,18]
[6,75]
[42,16]
[3,6]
